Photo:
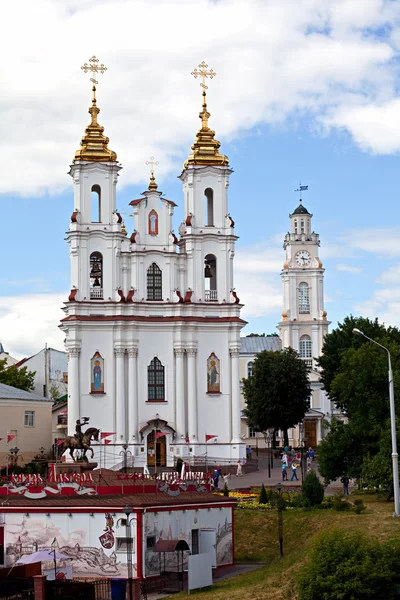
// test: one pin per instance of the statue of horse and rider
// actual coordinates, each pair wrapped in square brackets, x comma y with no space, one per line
[80,440]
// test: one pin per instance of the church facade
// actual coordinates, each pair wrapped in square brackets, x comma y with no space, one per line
[152,323]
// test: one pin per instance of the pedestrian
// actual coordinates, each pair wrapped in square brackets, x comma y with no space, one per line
[345,480]
[216,476]
[285,459]
[284,472]
[294,472]
[238,469]
[250,452]
[311,453]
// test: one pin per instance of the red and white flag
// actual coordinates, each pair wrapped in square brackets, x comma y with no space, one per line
[107,442]
[10,437]
[159,434]
[105,434]
[210,437]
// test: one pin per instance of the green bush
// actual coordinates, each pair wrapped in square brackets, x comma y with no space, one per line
[359,506]
[350,566]
[263,498]
[313,489]
[339,503]
[226,490]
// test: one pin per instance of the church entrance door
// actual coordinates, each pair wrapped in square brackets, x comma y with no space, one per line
[156,450]
[310,432]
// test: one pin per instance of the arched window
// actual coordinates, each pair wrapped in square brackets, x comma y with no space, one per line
[305,347]
[302,230]
[96,204]
[155,381]
[250,368]
[96,276]
[154,283]
[304,298]
[210,278]
[209,207]
[295,226]
[153,222]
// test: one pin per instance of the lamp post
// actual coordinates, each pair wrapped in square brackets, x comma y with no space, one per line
[128,511]
[268,440]
[125,453]
[301,443]
[280,519]
[395,456]
[54,545]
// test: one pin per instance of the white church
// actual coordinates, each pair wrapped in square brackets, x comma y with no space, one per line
[152,323]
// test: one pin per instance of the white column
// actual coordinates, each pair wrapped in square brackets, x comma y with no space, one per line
[120,394]
[73,389]
[319,430]
[314,299]
[133,416]
[315,341]
[180,420]
[295,338]
[192,404]
[235,389]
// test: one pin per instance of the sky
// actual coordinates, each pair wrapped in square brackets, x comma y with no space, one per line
[306,90]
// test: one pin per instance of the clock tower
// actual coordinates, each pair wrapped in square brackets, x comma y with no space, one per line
[304,321]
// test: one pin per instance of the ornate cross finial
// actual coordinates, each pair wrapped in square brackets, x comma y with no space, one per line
[152,185]
[204,74]
[94,67]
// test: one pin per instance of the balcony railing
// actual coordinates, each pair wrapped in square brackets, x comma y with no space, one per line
[62,420]
[308,361]
[211,296]
[96,293]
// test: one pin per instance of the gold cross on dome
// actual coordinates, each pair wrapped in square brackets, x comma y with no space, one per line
[153,163]
[203,73]
[94,67]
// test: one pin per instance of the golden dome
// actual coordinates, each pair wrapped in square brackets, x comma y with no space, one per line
[152,185]
[123,229]
[94,143]
[205,148]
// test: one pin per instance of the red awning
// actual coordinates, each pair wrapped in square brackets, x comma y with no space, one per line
[170,546]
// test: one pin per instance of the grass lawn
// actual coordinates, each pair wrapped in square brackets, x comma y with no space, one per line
[256,540]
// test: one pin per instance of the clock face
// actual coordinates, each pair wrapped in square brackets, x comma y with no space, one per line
[303,258]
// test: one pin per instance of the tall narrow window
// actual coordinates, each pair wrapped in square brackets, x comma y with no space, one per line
[154,282]
[209,207]
[304,298]
[210,278]
[250,368]
[305,347]
[96,276]
[302,230]
[295,226]
[96,204]
[155,381]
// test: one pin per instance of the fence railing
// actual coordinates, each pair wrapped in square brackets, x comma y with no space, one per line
[211,295]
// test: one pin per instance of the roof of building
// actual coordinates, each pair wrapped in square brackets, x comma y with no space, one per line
[7,392]
[255,344]
[301,210]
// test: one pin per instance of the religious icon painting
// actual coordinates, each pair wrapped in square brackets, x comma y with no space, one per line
[213,374]
[153,222]
[97,374]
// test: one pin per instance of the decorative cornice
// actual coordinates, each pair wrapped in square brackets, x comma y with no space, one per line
[191,351]
[119,351]
[179,352]
[133,352]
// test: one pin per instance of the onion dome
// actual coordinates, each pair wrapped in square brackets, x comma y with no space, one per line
[94,145]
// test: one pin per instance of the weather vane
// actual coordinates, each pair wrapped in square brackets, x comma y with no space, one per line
[204,74]
[301,188]
[94,67]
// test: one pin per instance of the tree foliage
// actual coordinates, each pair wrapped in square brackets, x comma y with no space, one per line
[313,489]
[278,391]
[19,378]
[350,566]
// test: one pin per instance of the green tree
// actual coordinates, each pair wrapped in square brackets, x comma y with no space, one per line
[263,497]
[19,378]
[313,489]
[278,391]
[350,566]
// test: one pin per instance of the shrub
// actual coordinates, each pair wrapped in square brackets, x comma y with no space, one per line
[339,503]
[226,490]
[313,489]
[263,498]
[359,506]
[350,565]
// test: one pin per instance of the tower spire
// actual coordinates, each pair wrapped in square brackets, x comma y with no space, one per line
[152,185]
[94,145]
[205,150]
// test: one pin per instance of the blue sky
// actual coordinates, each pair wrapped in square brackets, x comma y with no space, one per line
[322,109]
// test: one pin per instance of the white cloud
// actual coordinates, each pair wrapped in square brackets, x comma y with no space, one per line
[274,59]
[348,268]
[370,240]
[27,322]
[390,276]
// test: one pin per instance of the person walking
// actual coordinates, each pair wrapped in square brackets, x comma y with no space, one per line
[284,472]
[238,469]
[216,477]
[294,472]
[345,480]
[311,453]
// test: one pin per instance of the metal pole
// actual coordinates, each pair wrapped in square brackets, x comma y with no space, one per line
[280,519]
[395,456]
[269,456]
[129,556]
[55,564]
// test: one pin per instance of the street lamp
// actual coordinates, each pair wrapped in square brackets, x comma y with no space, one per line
[125,453]
[395,456]
[280,519]
[268,439]
[128,511]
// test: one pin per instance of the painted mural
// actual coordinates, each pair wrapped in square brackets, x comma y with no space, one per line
[97,374]
[213,374]
[89,540]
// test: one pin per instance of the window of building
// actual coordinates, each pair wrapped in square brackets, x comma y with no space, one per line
[150,542]
[29,419]
[302,229]
[295,226]
[252,433]
[209,207]
[304,298]
[96,204]
[155,381]
[96,276]
[154,282]
[250,368]
[305,347]
[122,544]
[195,541]
[210,278]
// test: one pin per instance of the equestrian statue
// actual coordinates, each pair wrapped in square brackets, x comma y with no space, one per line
[80,440]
